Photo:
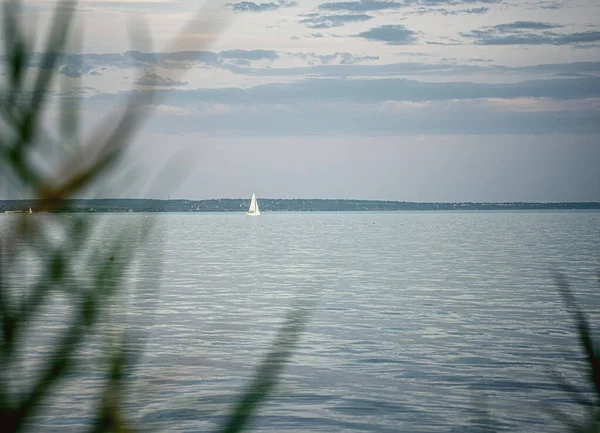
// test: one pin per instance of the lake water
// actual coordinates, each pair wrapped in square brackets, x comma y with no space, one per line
[424,321]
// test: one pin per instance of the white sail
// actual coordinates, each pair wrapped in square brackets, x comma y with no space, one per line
[253,207]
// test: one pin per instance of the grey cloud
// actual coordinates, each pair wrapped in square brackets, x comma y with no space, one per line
[451,2]
[477,1]
[156,5]
[180,59]
[244,57]
[571,75]
[518,39]
[71,72]
[553,5]
[246,6]
[574,38]
[316,21]
[73,66]
[529,33]
[249,54]
[462,117]
[470,11]
[585,46]
[432,3]
[413,54]
[379,5]
[452,42]
[557,68]
[534,39]
[337,58]
[208,57]
[393,34]
[376,107]
[319,35]
[416,69]
[444,11]
[392,89]
[404,68]
[524,25]
[78,65]
[361,6]
[253,7]
[151,79]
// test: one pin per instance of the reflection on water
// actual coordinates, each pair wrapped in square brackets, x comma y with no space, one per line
[425,321]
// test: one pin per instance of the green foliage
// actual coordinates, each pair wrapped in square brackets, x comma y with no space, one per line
[86,296]
[592,357]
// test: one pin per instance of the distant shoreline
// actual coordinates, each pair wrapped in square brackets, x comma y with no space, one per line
[276,205]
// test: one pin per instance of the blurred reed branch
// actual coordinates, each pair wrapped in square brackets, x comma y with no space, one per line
[267,375]
[24,99]
[591,404]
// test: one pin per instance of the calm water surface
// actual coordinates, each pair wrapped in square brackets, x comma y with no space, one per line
[424,321]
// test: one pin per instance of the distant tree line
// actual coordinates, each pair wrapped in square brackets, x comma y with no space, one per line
[273,205]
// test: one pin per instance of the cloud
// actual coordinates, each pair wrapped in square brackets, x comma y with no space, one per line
[470,11]
[550,5]
[524,25]
[73,66]
[534,39]
[245,57]
[571,75]
[320,35]
[253,7]
[389,89]
[316,21]
[361,6]
[426,69]
[71,72]
[380,5]
[79,65]
[383,119]
[151,79]
[120,5]
[447,42]
[249,54]
[335,58]
[246,6]
[444,11]
[393,34]
[178,57]
[585,46]
[383,107]
[529,33]
[451,2]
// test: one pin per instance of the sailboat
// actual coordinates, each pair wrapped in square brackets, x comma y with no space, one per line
[30,211]
[254,210]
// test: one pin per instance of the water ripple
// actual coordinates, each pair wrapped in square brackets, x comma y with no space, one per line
[422,318]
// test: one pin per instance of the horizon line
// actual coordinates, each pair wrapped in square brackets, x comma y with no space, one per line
[313,199]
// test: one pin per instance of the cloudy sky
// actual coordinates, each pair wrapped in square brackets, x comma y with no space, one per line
[417,100]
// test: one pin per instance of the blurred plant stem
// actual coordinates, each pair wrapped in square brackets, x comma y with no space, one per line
[591,423]
[38,272]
